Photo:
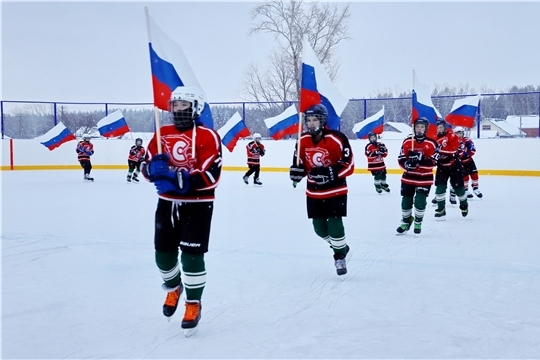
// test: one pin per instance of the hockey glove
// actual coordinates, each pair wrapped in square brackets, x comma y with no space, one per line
[415,156]
[322,175]
[175,182]
[410,165]
[296,172]
[159,165]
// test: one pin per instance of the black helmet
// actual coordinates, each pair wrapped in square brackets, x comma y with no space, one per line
[138,141]
[318,111]
[419,121]
[370,135]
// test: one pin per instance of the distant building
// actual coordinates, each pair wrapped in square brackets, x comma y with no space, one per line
[526,123]
[503,129]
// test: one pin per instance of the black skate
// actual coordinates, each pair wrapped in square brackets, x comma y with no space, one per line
[171,301]
[257,181]
[464,209]
[469,195]
[477,193]
[440,214]
[385,187]
[88,178]
[135,178]
[192,316]
[128,179]
[405,225]
[452,199]
[378,189]
[246,180]
[417,227]
[434,201]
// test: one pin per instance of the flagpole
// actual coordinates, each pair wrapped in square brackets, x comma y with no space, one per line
[156,110]
[412,107]
[300,113]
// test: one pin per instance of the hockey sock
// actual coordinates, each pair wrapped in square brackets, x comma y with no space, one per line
[167,263]
[194,275]
[320,225]
[462,196]
[406,207]
[136,173]
[420,202]
[440,194]
[474,180]
[336,231]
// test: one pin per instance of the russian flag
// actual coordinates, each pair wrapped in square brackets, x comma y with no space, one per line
[317,88]
[284,124]
[374,123]
[422,106]
[113,125]
[171,69]
[464,111]
[55,137]
[234,129]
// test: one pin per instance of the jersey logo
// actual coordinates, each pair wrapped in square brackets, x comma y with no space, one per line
[179,148]
[318,157]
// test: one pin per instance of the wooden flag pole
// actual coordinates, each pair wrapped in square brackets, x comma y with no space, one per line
[412,107]
[300,113]
[156,110]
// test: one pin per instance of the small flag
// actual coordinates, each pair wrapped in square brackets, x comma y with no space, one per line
[234,129]
[464,111]
[374,123]
[113,125]
[422,106]
[317,88]
[284,124]
[55,137]
[171,69]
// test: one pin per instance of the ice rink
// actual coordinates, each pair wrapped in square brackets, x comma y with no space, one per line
[79,279]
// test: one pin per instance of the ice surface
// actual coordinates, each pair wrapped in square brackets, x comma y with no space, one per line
[79,279]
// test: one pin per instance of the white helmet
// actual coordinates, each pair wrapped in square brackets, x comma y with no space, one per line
[192,94]
[256,136]
[459,129]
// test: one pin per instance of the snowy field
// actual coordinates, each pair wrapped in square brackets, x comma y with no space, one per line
[79,279]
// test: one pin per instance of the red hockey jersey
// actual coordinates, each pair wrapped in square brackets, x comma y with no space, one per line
[332,150]
[204,168]
[254,152]
[136,153]
[423,174]
[466,150]
[84,150]
[375,154]
[448,148]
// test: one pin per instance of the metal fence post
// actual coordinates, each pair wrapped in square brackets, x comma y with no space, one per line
[365,109]
[478,111]
[2,116]
[244,111]
[54,111]
[106,109]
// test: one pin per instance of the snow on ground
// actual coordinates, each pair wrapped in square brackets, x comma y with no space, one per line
[79,279]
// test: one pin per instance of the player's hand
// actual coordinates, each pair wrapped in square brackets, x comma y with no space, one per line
[157,166]
[415,156]
[411,165]
[176,182]
[296,172]
[322,175]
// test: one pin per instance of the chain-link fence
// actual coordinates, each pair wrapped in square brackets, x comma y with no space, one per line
[510,114]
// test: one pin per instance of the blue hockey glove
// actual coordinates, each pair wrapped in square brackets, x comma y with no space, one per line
[176,182]
[159,165]
[322,175]
[296,172]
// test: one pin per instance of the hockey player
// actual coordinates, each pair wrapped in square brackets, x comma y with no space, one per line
[255,149]
[185,175]
[84,150]
[466,153]
[326,159]
[375,153]
[135,159]
[448,168]
[417,157]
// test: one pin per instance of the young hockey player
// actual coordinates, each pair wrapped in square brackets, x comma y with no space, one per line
[448,168]
[417,157]
[466,153]
[135,159]
[255,149]
[185,175]
[84,150]
[326,159]
[375,153]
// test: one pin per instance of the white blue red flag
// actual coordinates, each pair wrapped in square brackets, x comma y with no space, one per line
[171,69]
[464,111]
[284,124]
[113,125]
[374,123]
[234,129]
[55,137]
[422,106]
[317,88]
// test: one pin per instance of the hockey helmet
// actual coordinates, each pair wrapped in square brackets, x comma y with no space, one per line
[185,118]
[320,112]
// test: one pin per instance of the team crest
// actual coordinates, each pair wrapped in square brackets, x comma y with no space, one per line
[179,147]
[318,157]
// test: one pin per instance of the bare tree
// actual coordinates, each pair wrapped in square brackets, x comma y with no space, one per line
[325,25]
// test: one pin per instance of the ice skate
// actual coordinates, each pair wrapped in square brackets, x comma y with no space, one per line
[246,180]
[477,193]
[452,199]
[191,317]
[417,227]
[378,188]
[469,195]
[171,301]
[135,178]
[434,201]
[405,226]
[385,187]
[88,178]
[257,181]
[464,209]
[440,214]
[128,179]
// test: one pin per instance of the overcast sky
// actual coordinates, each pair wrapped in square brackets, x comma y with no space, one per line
[98,52]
